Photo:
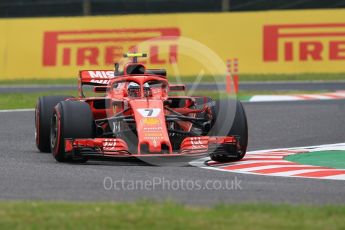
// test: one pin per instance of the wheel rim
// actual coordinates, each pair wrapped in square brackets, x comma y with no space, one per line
[37,125]
[54,131]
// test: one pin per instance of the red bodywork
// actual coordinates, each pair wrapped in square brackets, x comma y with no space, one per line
[148,112]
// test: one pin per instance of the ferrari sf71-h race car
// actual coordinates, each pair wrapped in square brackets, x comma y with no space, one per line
[136,117]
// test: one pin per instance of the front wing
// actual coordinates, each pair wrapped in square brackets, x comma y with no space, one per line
[116,147]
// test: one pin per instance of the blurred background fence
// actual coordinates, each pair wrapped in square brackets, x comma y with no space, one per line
[43,8]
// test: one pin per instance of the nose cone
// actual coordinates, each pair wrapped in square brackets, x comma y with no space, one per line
[151,127]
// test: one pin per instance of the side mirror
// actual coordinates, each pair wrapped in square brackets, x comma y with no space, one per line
[100,89]
[177,88]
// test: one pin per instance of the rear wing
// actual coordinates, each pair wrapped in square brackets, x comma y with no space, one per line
[94,78]
[103,77]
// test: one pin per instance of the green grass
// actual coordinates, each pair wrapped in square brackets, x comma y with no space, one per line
[246,94]
[168,215]
[61,81]
[294,77]
[28,100]
[188,79]
[332,159]
[277,77]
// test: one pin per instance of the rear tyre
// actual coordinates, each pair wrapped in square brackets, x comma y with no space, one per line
[239,128]
[71,119]
[43,114]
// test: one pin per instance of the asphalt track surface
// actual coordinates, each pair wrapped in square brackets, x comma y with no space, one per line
[261,86]
[27,174]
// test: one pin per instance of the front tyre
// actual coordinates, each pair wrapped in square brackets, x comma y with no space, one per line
[43,114]
[239,128]
[71,119]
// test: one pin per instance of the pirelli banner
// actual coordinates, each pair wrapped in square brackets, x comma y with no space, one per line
[265,42]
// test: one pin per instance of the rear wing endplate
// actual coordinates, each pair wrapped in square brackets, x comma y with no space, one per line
[95,78]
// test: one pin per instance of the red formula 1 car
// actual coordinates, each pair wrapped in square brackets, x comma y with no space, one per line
[136,117]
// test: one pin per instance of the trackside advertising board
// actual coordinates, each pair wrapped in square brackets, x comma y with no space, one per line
[264,42]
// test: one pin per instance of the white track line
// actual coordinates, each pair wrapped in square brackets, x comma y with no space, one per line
[261,156]
[251,169]
[295,173]
[16,110]
[299,97]
[272,159]
[336,177]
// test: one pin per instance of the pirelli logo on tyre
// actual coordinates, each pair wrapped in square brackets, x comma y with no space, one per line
[304,42]
[102,47]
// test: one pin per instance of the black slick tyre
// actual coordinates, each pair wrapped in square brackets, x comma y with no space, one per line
[71,119]
[239,128]
[43,114]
